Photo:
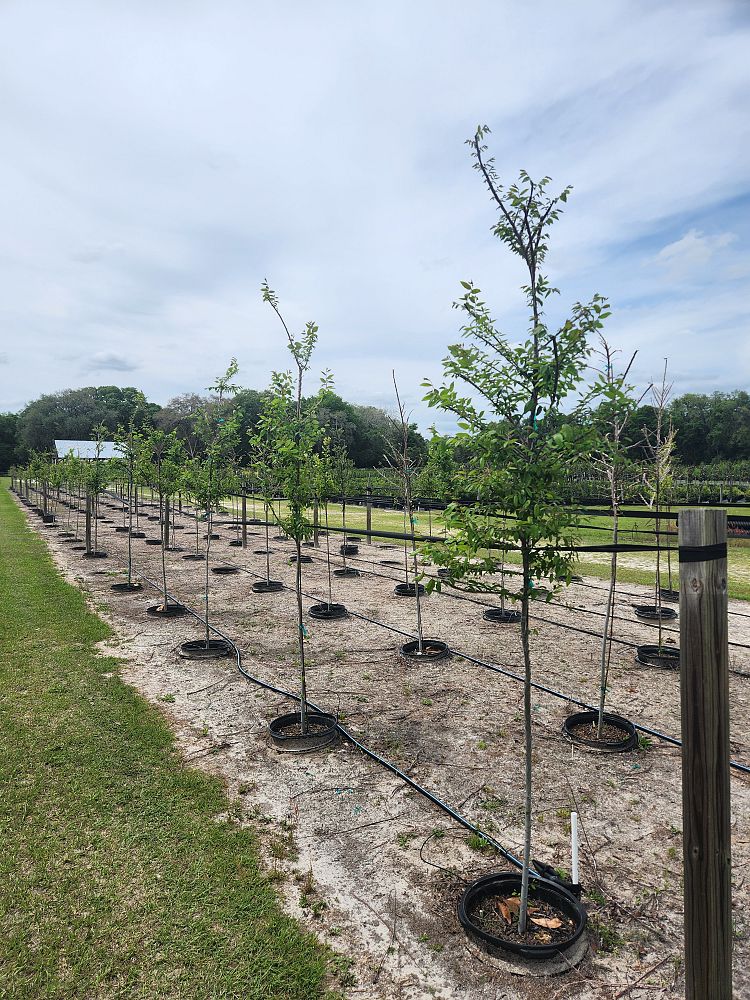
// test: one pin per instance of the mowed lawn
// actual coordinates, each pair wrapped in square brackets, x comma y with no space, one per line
[118,876]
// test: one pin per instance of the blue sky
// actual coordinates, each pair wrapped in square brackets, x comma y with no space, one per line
[161,158]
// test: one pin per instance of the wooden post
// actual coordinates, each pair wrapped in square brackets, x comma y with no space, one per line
[316,524]
[369,512]
[244,520]
[704,691]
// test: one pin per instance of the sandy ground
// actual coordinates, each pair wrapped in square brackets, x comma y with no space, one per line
[368,863]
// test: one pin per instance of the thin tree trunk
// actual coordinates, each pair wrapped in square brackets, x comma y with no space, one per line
[523,912]
[301,624]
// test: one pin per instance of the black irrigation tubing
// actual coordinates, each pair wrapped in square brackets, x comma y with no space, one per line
[745,769]
[383,761]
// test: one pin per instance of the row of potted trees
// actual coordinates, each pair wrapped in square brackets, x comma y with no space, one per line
[517,454]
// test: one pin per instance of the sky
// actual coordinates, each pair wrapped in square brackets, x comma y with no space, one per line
[161,158]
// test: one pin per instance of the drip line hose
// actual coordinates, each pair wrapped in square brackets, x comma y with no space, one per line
[384,762]
[745,769]
[557,604]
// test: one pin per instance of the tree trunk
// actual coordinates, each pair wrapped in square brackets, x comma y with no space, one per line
[523,912]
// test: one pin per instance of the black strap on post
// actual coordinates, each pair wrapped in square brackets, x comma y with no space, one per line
[702,553]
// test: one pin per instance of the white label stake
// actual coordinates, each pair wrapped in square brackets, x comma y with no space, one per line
[574,846]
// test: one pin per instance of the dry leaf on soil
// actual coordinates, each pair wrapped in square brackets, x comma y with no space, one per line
[552,922]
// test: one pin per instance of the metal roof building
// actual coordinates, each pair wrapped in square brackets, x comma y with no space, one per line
[87,449]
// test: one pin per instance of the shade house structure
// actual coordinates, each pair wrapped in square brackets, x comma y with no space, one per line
[88,450]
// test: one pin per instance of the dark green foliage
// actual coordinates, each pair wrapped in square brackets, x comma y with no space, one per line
[74,414]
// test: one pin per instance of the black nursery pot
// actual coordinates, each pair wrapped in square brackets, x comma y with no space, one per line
[502,616]
[213,537]
[153,541]
[669,595]
[328,612]
[324,732]
[121,529]
[267,587]
[667,657]
[391,562]
[302,559]
[167,610]
[236,543]
[346,571]
[653,613]
[95,555]
[348,550]
[224,570]
[628,742]
[408,589]
[506,884]
[126,588]
[194,557]
[48,518]
[432,649]
[153,517]
[199,649]
[138,534]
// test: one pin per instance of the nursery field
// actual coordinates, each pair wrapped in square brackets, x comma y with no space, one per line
[123,872]
[360,858]
[595,529]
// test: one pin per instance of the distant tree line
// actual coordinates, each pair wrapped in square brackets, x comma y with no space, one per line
[365,431]
[712,430]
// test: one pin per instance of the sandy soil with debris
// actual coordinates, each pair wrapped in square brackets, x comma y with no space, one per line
[368,863]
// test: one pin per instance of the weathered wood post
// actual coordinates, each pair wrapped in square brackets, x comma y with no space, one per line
[244,520]
[704,691]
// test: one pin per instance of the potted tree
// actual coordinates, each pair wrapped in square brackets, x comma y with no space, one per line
[97,473]
[129,445]
[507,397]
[657,480]
[215,480]
[342,471]
[324,486]
[600,730]
[292,431]
[405,470]
[160,464]
[264,469]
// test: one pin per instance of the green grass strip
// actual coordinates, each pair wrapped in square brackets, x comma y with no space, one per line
[118,875]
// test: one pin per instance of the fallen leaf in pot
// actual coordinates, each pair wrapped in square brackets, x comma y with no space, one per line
[504,911]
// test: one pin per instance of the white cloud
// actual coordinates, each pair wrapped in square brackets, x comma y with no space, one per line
[161,159]
[683,258]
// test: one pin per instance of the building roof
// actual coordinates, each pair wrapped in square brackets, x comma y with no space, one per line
[87,449]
